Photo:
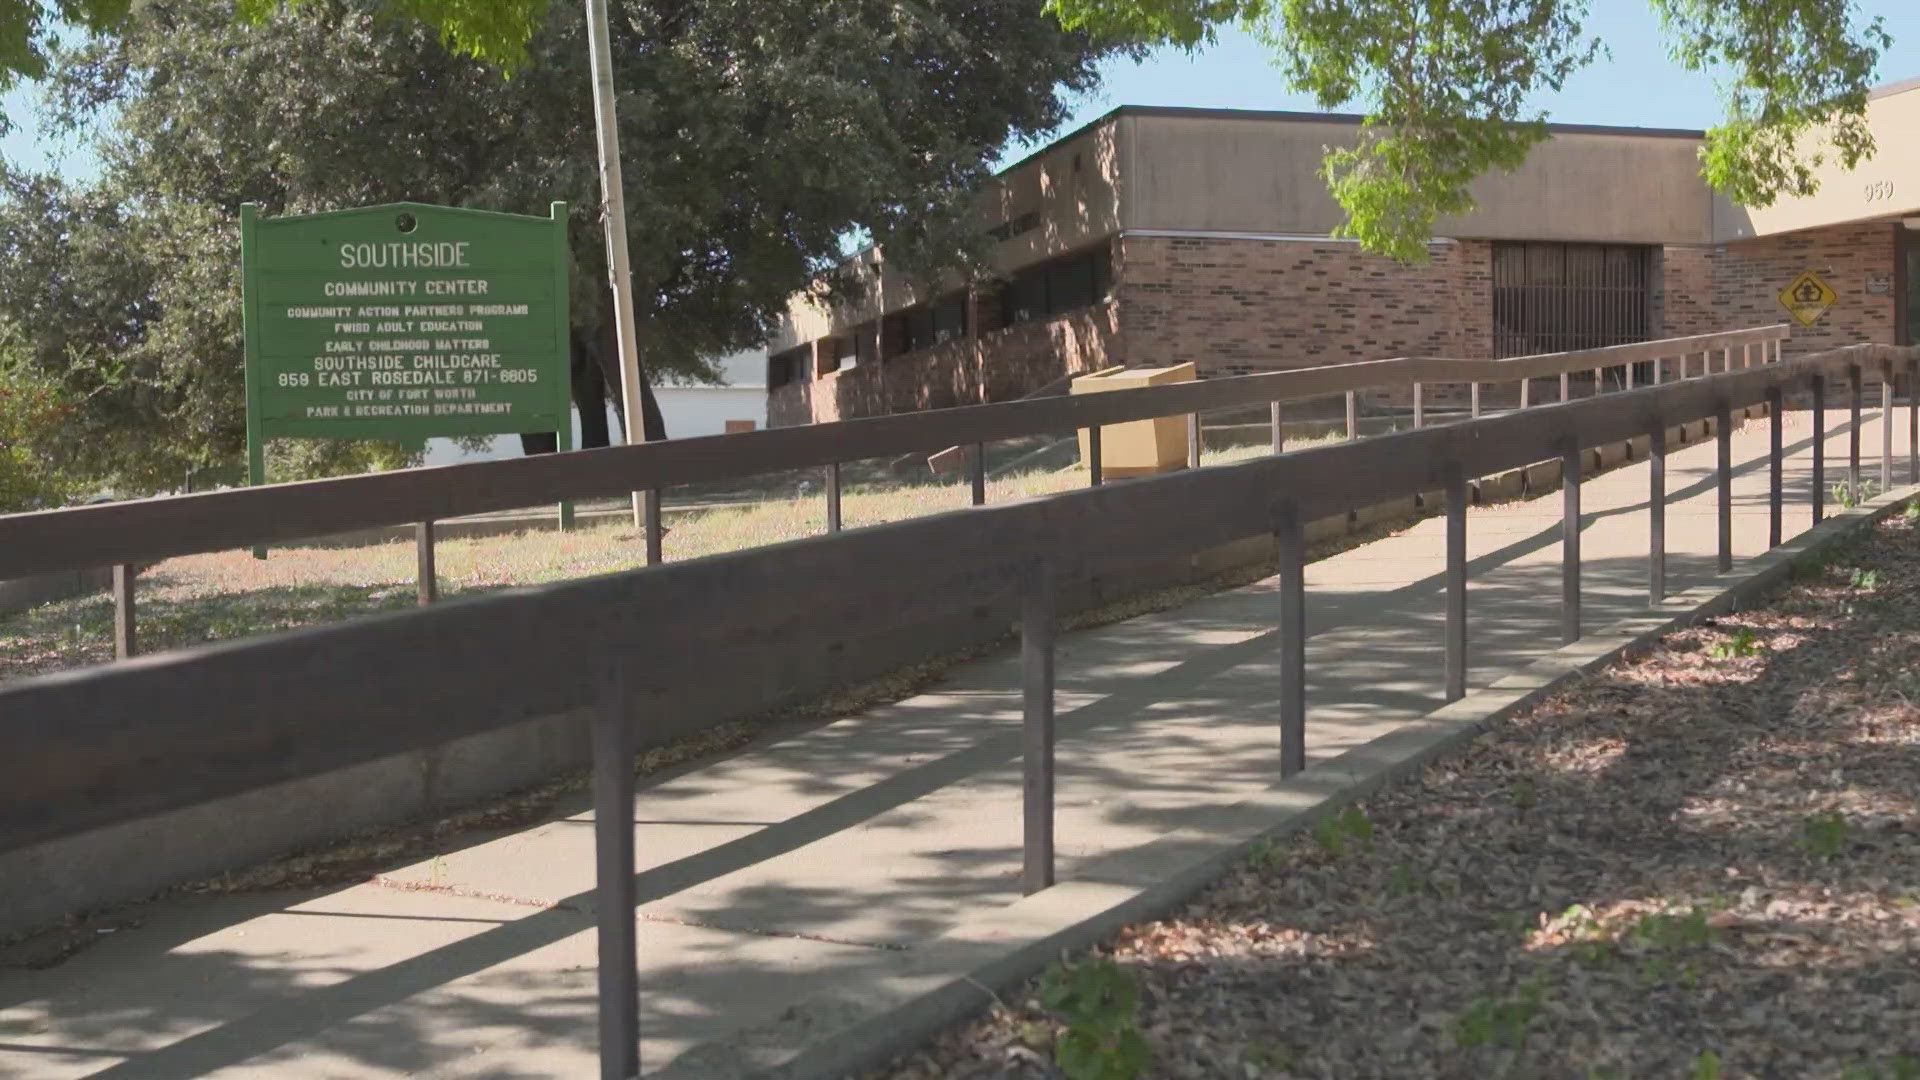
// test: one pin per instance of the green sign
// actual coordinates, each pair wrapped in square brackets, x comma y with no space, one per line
[404,321]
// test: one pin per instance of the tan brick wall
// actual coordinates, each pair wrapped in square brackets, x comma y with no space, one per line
[1751,273]
[1683,295]
[1013,361]
[1238,306]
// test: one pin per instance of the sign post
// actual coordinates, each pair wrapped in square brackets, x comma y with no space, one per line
[405,321]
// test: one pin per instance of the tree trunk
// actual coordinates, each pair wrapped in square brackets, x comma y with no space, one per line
[589,392]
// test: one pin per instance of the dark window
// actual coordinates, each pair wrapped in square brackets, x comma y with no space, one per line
[1057,287]
[866,343]
[1562,297]
[949,317]
[1014,226]
[789,366]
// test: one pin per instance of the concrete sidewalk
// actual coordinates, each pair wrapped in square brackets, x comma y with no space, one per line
[830,855]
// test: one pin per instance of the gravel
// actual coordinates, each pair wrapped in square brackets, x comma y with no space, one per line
[1702,862]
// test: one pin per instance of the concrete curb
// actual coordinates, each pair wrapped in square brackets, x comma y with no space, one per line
[848,1029]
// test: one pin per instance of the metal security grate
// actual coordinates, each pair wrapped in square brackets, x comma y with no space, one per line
[1560,297]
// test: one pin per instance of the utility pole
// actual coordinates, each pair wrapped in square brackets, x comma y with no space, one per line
[614,220]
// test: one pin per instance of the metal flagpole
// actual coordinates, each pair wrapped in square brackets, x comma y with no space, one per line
[614,219]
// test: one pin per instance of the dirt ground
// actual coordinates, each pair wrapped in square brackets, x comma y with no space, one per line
[1701,863]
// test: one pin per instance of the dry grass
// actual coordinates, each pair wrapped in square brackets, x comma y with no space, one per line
[1704,862]
[226,595]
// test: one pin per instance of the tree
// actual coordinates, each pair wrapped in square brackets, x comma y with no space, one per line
[1449,87]
[757,135]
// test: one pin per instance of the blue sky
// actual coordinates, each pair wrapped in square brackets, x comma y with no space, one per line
[1638,85]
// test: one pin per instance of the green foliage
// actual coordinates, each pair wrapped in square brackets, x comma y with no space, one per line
[1912,513]
[757,135]
[1335,832]
[1500,1022]
[1849,494]
[1706,1066]
[1447,87]
[1864,579]
[1742,643]
[1099,1004]
[35,412]
[1824,835]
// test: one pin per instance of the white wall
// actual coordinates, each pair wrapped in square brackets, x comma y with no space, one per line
[688,408]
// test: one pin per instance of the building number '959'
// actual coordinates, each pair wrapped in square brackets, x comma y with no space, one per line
[1879,190]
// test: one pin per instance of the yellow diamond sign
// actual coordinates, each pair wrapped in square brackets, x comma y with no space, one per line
[1807,298]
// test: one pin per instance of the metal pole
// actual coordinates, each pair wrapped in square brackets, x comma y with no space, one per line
[1353,416]
[1853,434]
[1774,425]
[833,497]
[1456,659]
[124,639]
[1563,386]
[1570,544]
[1291,548]
[1193,440]
[1036,665]
[1279,436]
[1886,428]
[1526,393]
[423,558]
[1419,406]
[614,220]
[656,528]
[1476,400]
[978,466]
[1723,436]
[1093,456]
[1819,447]
[614,899]
[1657,512]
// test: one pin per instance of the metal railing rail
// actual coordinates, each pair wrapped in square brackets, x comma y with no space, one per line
[125,535]
[119,742]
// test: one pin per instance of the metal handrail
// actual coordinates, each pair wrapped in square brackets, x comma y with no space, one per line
[121,742]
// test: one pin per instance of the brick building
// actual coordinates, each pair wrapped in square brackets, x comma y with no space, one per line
[1154,236]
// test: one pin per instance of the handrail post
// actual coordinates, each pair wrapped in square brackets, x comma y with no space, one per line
[977,467]
[833,497]
[657,529]
[1570,543]
[1599,381]
[1853,434]
[1659,363]
[1353,416]
[1746,354]
[1419,406]
[1291,553]
[124,637]
[423,560]
[1476,400]
[1036,726]
[1775,403]
[1526,393]
[1886,428]
[1723,437]
[614,899]
[1563,387]
[1456,657]
[1279,433]
[1657,511]
[1193,440]
[1093,456]
[1819,447]
[1726,358]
